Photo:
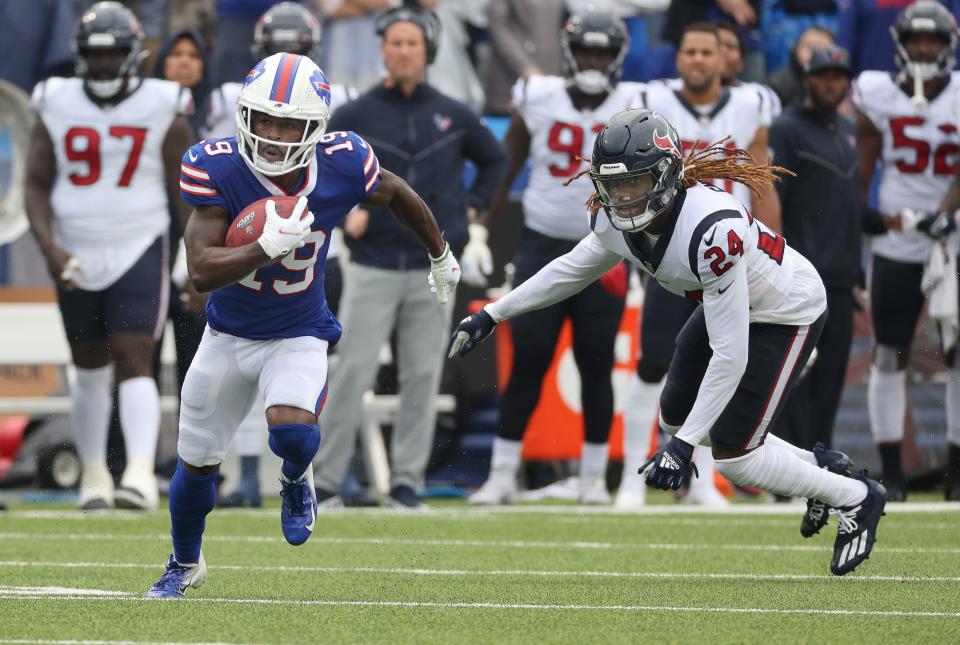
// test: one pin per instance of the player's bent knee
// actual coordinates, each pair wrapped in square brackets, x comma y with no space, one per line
[887,358]
[295,442]
[652,371]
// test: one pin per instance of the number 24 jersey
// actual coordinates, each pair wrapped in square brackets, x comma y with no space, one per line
[285,299]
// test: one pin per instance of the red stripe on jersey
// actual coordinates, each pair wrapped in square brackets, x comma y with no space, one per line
[194,173]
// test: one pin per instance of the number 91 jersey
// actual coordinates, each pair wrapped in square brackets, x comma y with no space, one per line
[919,154]
[285,299]
[560,135]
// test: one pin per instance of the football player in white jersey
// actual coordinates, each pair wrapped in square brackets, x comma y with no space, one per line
[555,122]
[704,111]
[284,27]
[104,155]
[738,355]
[908,122]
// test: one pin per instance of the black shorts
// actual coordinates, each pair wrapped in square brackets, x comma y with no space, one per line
[664,315]
[777,354]
[896,300]
[134,304]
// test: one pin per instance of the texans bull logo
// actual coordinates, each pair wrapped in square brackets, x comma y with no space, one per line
[665,143]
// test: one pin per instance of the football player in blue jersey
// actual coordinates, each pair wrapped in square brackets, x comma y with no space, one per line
[269,326]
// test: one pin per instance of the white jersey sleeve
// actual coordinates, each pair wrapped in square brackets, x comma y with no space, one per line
[563,277]
[726,309]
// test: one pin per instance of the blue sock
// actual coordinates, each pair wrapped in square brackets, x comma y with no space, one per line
[191,498]
[250,476]
[296,444]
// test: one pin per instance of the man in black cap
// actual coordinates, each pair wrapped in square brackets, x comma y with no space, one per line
[822,219]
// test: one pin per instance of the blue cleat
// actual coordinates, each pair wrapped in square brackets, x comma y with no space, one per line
[298,509]
[177,578]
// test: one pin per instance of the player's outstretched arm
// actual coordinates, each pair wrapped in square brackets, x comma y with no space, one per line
[212,265]
[563,277]
[41,170]
[406,205]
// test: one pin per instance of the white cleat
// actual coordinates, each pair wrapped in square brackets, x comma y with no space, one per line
[500,489]
[96,487]
[593,492]
[138,487]
[632,494]
[706,494]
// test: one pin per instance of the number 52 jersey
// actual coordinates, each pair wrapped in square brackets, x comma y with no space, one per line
[920,154]
[284,299]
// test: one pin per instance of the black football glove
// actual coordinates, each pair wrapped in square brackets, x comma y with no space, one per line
[668,465]
[937,226]
[469,333]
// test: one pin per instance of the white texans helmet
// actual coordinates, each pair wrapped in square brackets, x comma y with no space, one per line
[285,86]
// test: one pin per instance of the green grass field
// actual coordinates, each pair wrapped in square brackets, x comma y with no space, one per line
[460,575]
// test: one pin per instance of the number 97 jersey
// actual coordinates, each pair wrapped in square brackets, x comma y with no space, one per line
[560,137]
[919,154]
[284,299]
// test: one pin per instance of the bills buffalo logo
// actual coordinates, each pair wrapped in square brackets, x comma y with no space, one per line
[255,73]
[665,143]
[442,122]
[320,85]
[245,223]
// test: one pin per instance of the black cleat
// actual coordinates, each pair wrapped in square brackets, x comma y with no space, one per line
[858,528]
[817,513]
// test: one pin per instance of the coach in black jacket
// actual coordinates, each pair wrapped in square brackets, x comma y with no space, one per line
[426,138]
[821,219]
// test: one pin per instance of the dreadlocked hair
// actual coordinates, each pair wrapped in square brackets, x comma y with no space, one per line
[718,162]
[713,162]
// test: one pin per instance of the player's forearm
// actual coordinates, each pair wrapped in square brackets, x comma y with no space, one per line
[218,267]
[951,200]
[560,279]
[40,215]
[414,213]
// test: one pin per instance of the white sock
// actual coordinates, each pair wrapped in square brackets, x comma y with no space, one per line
[140,416]
[251,437]
[639,415]
[777,470]
[953,406]
[806,455]
[593,460]
[703,458]
[887,404]
[90,401]
[506,455]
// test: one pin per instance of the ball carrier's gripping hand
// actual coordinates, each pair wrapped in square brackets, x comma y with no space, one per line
[470,332]
[282,235]
[667,467]
[444,274]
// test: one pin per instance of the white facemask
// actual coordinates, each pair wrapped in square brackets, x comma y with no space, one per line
[592,81]
[105,89]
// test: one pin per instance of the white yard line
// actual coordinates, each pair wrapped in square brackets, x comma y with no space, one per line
[515,544]
[521,509]
[521,606]
[41,641]
[785,577]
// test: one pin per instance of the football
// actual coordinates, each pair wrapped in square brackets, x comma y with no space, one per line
[248,225]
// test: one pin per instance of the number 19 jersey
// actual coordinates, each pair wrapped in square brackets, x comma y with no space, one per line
[284,299]
[919,155]
[560,135]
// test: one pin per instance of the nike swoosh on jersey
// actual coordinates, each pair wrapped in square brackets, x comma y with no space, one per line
[193,156]
[724,290]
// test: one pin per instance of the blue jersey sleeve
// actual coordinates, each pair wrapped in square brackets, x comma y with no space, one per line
[198,185]
[355,160]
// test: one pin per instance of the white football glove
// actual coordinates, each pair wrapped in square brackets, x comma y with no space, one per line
[282,235]
[444,274]
[477,259]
